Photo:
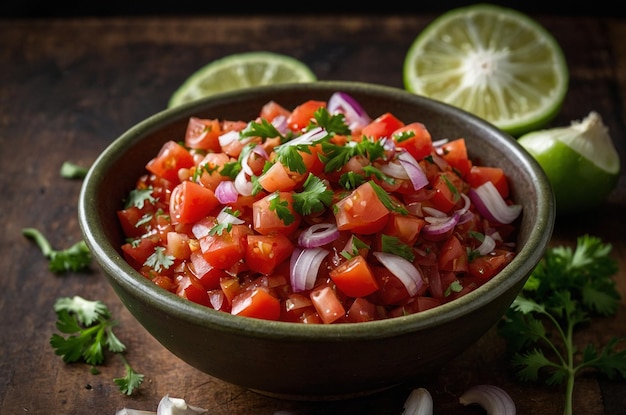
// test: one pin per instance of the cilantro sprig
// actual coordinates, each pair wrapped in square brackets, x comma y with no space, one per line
[86,329]
[75,258]
[564,292]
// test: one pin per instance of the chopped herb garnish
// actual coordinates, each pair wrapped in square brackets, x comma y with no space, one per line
[315,197]
[386,199]
[159,260]
[75,258]
[393,245]
[138,197]
[88,327]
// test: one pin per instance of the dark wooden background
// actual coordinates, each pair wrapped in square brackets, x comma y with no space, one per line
[70,84]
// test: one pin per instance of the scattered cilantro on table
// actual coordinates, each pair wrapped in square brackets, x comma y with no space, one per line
[75,258]
[565,290]
[87,332]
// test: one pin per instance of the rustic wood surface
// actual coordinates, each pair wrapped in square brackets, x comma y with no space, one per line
[68,87]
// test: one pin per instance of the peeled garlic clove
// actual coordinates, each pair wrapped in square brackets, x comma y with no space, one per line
[177,406]
[419,402]
[493,399]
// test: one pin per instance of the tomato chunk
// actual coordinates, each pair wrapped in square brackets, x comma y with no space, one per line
[361,211]
[171,158]
[354,277]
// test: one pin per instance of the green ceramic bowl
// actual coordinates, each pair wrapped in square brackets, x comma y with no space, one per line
[292,360]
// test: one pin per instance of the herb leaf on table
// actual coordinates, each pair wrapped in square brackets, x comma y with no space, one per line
[564,292]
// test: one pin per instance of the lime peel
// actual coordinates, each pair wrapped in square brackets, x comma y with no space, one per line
[241,70]
[580,160]
[492,61]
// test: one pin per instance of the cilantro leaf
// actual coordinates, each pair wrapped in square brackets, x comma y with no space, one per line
[86,329]
[130,381]
[564,291]
[138,197]
[159,260]
[281,207]
[75,258]
[315,197]
[71,170]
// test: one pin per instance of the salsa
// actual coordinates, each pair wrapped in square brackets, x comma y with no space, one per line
[318,214]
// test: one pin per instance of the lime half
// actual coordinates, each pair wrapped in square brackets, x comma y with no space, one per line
[492,61]
[241,70]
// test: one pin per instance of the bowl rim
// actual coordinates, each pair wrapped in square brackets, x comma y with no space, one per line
[116,267]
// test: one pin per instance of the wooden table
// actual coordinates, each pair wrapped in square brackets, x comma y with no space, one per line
[68,87]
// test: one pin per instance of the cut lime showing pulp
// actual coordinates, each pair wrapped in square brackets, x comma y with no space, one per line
[241,70]
[494,62]
[580,161]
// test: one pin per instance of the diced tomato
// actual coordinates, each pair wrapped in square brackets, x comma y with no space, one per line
[392,290]
[224,249]
[208,275]
[446,195]
[265,252]
[272,109]
[327,304]
[455,153]
[361,310]
[190,288]
[404,227]
[415,138]
[203,134]
[136,253]
[190,202]
[478,175]
[130,221]
[256,303]
[178,245]
[361,211]
[485,267]
[302,115]
[277,178]
[171,158]
[210,167]
[275,213]
[354,277]
[426,303]
[453,256]
[383,126]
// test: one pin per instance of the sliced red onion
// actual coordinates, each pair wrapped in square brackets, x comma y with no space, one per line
[305,265]
[309,137]
[440,161]
[403,269]
[242,184]
[431,211]
[419,402]
[439,227]
[355,115]
[393,169]
[318,235]
[225,217]
[226,192]
[466,204]
[414,170]
[493,399]
[280,123]
[228,137]
[492,206]
[439,143]
[488,245]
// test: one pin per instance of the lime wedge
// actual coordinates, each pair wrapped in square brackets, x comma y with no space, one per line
[492,61]
[241,70]
[580,160]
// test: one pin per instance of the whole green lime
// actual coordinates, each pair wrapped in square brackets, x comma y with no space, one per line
[580,161]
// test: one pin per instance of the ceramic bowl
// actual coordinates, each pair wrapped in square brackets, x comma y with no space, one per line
[312,362]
